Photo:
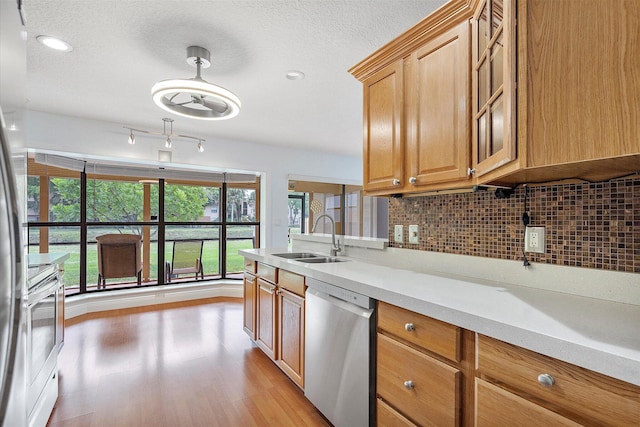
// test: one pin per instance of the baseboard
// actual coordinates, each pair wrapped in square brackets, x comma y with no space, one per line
[78,305]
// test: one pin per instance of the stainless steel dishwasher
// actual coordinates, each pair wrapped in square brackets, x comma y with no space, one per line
[339,337]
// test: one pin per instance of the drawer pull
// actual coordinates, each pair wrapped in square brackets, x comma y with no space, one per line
[408,384]
[409,327]
[546,380]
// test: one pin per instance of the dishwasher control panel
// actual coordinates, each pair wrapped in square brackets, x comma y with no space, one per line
[341,293]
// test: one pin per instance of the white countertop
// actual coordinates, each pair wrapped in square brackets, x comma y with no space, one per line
[36,260]
[596,334]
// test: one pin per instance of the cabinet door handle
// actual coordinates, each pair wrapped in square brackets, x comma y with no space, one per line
[396,181]
[546,380]
[471,171]
[413,180]
[408,384]
[409,327]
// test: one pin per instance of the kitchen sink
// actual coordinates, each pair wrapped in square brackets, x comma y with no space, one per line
[294,255]
[320,260]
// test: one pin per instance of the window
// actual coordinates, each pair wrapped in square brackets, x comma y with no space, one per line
[131,205]
[354,214]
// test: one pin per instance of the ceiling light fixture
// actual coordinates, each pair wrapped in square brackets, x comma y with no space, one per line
[196,98]
[295,75]
[54,43]
[10,127]
[170,136]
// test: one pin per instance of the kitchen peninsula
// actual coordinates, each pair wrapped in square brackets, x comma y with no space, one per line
[577,338]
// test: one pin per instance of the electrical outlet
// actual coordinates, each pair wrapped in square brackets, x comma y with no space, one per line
[413,234]
[534,240]
[397,234]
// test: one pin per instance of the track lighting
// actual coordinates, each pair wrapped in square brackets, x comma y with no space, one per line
[170,136]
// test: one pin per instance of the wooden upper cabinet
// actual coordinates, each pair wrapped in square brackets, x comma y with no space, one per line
[437,95]
[417,91]
[532,94]
[494,86]
[582,86]
[568,94]
[383,133]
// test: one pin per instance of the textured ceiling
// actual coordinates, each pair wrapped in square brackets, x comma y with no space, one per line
[121,48]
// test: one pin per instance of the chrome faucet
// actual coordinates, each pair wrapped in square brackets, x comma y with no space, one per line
[335,247]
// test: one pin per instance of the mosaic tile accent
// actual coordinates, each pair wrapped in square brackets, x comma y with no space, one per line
[587,225]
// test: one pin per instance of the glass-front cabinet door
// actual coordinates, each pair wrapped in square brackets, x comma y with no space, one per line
[494,80]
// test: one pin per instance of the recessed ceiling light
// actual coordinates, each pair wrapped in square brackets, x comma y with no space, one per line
[55,43]
[295,75]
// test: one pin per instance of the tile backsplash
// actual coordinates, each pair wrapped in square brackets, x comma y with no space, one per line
[592,225]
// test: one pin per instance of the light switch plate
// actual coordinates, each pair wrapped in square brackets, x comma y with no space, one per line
[534,240]
[397,234]
[413,234]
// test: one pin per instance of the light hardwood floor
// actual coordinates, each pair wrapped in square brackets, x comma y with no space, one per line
[183,364]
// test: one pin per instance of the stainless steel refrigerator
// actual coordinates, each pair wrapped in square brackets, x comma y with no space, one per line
[12,293]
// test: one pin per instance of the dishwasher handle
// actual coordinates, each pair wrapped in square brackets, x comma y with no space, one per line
[339,303]
[343,294]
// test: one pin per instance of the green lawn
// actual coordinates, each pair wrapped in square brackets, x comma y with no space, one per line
[210,257]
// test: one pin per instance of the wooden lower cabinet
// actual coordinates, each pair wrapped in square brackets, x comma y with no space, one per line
[422,388]
[387,416]
[498,407]
[431,334]
[584,396]
[424,370]
[291,335]
[274,309]
[249,299]
[266,326]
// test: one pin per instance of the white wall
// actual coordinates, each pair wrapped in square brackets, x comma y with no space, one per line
[98,139]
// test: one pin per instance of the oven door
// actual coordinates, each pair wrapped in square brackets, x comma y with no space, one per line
[41,336]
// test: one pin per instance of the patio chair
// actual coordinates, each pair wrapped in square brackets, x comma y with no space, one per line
[186,259]
[119,255]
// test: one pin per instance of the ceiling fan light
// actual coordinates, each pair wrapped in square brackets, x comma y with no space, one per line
[163,92]
[196,98]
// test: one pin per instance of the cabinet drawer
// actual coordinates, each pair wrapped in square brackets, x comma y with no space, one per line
[291,281]
[249,266]
[430,334]
[268,272]
[498,407]
[422,388]
[576,392]
[388,417]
